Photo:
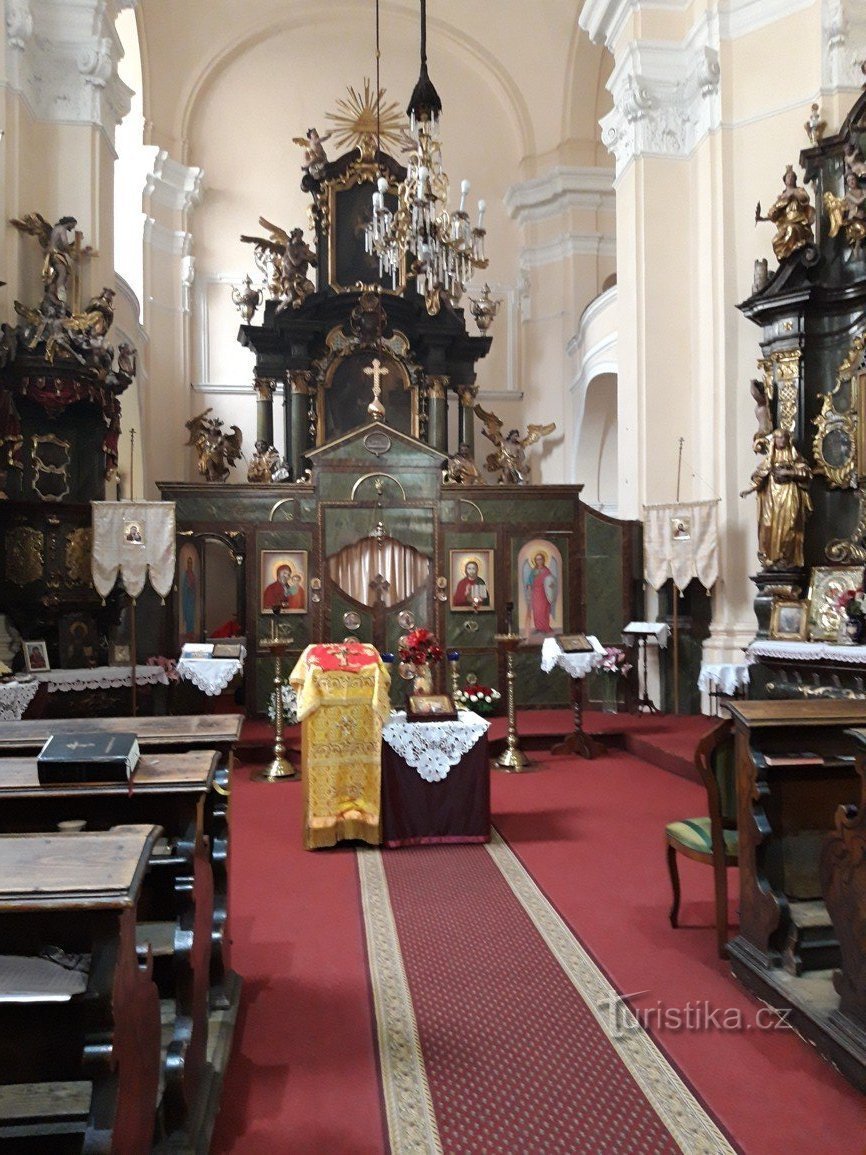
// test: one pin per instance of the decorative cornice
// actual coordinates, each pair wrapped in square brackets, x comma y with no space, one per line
[157,236]
[844,43]
[563,188]
[565,247]
[61,57]
[741,17]
[666,98]
[172,185]
[603,20]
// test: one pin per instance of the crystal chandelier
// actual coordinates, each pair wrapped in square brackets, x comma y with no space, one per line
[444,246]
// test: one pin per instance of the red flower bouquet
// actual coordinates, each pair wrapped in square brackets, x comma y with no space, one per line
[420,647]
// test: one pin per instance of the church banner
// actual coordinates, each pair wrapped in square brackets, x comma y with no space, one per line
[135,539]
[681,541]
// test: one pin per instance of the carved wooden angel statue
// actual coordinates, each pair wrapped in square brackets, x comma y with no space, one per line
[57,243]
[509,460]
[216,449]
[284,259]
[314,152]
[792,214]
[848,212]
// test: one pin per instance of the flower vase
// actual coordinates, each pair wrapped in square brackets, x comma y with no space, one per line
[422,682]
[609,700]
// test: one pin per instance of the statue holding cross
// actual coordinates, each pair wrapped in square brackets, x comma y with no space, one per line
[377,371]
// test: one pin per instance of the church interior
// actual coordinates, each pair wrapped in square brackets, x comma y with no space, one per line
[431,439]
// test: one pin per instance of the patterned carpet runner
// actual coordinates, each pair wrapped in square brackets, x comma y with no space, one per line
[497,1031]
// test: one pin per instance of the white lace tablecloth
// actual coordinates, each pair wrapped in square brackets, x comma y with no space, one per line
[805,651]
[15,697]
[432,748]
[723,677]
[661,631]
[576,665]
[211,675]
[100,678]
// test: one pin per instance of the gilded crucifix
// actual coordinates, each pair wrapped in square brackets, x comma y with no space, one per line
[377,371]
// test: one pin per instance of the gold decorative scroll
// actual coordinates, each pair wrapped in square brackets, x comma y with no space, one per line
[78,547]
[782,374]
[839,446]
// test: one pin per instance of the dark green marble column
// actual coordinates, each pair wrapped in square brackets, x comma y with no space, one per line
[264,389]
[437,412]
[296,429]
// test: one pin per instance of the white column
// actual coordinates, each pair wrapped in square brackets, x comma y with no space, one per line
[171,193]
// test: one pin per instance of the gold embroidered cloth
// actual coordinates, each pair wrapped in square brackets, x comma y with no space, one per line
[341,713]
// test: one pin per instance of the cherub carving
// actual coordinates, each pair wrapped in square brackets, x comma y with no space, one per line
[57,243]
[216,449]
[314,152]
[848,211]
[284,259]
[509,460]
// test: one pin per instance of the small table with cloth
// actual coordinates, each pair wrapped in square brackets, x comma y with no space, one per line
[342,705]
[435,781]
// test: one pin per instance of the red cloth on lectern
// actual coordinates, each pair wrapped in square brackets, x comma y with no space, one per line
[352,656]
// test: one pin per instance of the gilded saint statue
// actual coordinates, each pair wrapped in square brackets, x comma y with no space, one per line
[461,468]
[781,482]
[792,214]
[848,211]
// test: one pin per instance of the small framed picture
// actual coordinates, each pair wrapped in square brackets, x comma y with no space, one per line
[471,574]
[36,657]
[132,533]
[826,587]
[431,708]
[119,654]
[681,529]
[789,621]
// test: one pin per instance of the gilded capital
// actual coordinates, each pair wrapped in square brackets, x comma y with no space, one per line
[468,395]
[300,381]
[263,387]
[436,386]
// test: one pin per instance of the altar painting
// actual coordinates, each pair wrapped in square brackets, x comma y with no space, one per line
[539,594]
[283,581]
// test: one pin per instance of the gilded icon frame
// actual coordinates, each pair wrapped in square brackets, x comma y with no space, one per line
[826,583]
[789,620]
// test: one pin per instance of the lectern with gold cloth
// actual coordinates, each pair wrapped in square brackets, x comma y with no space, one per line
[342,705]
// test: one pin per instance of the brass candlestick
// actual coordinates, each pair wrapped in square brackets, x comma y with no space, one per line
[280,767]
[512,758]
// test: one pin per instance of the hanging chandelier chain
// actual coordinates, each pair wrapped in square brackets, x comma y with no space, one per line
[444,247]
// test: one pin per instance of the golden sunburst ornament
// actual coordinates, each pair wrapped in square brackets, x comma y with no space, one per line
[356,123]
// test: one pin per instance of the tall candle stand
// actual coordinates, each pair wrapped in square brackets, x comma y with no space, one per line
[453,657]
[280,768]
[512,759]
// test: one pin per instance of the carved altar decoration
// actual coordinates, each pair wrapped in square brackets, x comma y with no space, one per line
[811,392]
[61,383]
[284,259]
[217,450]
[509,458]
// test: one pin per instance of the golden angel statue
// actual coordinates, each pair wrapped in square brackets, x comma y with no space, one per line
[509,460]
[848,212]
[284,259]
[216,449]
[58,244]
[792,214]
[781,482]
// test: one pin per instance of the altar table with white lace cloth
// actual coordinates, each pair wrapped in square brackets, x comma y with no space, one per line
[100,678]
[15,697]
[435,781]
[211,675]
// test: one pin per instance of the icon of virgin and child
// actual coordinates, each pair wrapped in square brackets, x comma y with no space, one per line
[287,591]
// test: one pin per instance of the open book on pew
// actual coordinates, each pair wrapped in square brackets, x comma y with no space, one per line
[87,757]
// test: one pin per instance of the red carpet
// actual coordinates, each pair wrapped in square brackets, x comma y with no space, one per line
[303,1076]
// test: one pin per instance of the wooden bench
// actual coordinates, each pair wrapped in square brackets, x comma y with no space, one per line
[77,1067]
[170,790]
[180,733]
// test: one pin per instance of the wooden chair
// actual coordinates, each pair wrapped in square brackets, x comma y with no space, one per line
[711,839]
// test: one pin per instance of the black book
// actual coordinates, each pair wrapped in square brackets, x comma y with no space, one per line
[87,757]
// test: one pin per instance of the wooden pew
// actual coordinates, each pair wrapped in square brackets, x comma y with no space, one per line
[795,768]
[179,733]
[171,790]
[78,1064]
